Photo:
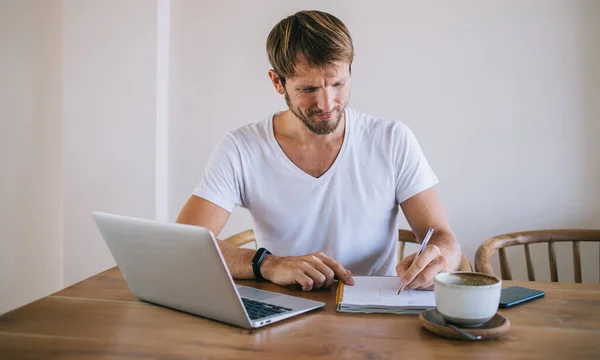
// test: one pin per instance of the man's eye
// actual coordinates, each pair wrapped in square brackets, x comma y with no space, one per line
[338,84]
[309,90]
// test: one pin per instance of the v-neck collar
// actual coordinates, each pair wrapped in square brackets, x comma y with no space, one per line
[277,148]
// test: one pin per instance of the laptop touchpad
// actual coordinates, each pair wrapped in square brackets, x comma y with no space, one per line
[255,294]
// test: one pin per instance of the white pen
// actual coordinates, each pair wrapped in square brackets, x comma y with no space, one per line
[423,245]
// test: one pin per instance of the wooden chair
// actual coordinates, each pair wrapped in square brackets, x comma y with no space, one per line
[404,236]
[484,252]
[243,238]
[407,236]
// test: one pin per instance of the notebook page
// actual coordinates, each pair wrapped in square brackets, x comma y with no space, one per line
[382,290]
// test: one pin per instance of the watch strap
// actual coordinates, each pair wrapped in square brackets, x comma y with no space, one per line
[257,260]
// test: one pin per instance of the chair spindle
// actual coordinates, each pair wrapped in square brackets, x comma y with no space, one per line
[553,267]
[576,262]
[401,251]
[530,271]
[504,265]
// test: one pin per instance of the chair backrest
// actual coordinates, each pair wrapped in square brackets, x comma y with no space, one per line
[501,242]
[243,238]
[407,236]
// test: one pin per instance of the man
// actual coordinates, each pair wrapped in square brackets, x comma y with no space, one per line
[322,181]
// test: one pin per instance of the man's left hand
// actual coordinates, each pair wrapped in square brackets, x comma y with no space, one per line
[420,274]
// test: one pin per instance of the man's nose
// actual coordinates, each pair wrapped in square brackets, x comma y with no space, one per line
[325,101]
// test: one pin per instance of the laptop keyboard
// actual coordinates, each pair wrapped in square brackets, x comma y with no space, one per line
[257,309]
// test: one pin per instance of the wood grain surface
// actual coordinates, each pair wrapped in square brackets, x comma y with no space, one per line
[99,318]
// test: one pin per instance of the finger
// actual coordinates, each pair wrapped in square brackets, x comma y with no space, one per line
[348,271]
[338,269]
[428,255]
[320,266]
[425,279]
[404,265]
[318,277]
[303,280]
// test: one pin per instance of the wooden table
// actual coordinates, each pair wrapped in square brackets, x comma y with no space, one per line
[99,318]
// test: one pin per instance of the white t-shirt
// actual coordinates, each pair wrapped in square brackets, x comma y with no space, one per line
[350,213]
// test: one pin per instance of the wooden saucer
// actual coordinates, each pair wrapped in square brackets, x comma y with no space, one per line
[492,329]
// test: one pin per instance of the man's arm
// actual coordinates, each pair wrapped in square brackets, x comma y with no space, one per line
[310,271]
[200,212]
[424,211]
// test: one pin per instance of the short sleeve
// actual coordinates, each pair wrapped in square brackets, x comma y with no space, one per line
[412,170]
[221,182]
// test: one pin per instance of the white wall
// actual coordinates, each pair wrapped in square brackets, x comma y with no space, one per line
[78,105]
[30,152]
[503,97]
[79,115]
[109,122]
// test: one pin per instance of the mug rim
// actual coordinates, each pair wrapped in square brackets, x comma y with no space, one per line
[487,286]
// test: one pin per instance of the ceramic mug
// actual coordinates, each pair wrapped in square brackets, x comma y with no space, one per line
[467,298]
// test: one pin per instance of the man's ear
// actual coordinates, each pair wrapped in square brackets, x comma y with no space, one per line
[277,82]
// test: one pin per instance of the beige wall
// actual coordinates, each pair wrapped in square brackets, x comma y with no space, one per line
[30,152]
[109,122]
[503,97]
[78,133]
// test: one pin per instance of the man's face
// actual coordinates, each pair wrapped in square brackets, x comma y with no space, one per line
[319,96]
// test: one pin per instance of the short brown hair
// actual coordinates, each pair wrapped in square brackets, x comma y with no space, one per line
[315,36]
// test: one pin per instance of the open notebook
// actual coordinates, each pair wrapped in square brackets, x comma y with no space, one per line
[377,294]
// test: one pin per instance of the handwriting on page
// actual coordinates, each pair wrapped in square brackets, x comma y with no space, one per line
[382,291]
[405,297]
[387,291]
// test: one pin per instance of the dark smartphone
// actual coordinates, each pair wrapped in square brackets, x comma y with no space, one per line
[515,295]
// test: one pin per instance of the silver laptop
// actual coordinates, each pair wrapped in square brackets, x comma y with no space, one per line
[181,267]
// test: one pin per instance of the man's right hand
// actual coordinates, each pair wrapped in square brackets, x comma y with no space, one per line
[312,271]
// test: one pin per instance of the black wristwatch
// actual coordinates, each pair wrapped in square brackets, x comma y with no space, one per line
[257,261]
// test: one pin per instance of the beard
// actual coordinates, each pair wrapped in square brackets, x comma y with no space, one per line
[320,127]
